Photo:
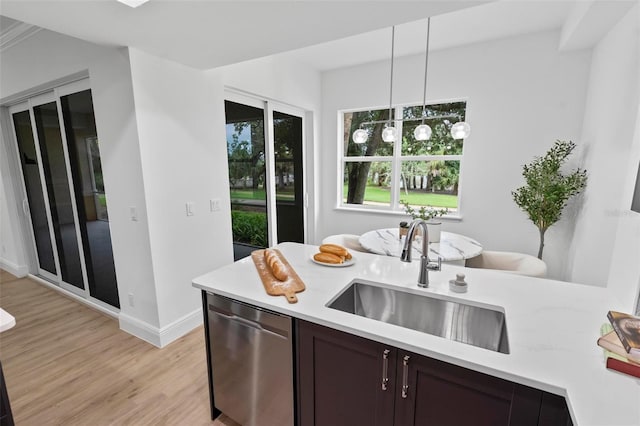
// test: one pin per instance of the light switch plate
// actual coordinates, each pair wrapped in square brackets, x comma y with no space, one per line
[190,209]
[133,212]
[214,203]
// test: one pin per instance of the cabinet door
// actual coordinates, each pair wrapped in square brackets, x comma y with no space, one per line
[554,411]
[432,392]
[6,418]
[340,378]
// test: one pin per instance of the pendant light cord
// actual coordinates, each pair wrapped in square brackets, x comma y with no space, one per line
[393,35]
[426,68]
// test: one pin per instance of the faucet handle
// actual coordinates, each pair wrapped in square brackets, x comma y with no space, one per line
[432,266]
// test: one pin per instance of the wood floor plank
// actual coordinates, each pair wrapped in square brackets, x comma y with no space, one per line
[67,364]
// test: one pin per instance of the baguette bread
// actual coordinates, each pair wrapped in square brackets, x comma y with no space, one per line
[275,264]
[324,257]
[335,249]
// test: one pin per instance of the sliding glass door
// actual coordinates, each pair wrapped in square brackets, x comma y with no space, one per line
[288,182]
[57,188]
[60,161]
[266,184]
[91,201]
[37,207]
[247,177]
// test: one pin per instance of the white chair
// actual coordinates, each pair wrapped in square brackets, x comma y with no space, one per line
[514,263]
[348,241]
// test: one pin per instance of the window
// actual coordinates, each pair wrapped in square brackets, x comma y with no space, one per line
[379,175]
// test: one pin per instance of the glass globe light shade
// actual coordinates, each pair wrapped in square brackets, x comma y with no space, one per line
[360,136]
[460,130]
[389,134]
[422,132]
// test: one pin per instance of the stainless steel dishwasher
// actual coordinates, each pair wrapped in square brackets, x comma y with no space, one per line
[251,362]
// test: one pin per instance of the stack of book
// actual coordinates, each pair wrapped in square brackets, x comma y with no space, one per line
[620,339]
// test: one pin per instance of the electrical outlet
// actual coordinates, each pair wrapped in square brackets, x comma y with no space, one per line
[215,204]
[131,300]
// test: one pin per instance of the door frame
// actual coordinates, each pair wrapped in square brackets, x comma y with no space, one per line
[269,106]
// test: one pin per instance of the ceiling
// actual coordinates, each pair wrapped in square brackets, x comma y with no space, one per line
[325,34]
[210,33]
[490,21]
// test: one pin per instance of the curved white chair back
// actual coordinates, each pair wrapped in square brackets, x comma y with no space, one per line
[515,263]
[348,241]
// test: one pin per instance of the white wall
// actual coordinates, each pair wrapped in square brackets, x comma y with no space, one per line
[183,149]
[612,128]
[12,257]
[49,56]
[624,274]
[181,124]
[12,250]
[522,95]
[608,129]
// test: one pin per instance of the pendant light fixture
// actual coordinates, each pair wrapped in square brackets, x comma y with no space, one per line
[423,131]
[460,130]
[360,136]
[389,132]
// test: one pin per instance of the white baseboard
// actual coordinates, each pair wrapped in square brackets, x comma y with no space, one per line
[161,337]
[140,329]
[75,297]
[19,271]
[180,327]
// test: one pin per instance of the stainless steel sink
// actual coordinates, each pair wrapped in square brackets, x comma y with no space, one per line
[449,318]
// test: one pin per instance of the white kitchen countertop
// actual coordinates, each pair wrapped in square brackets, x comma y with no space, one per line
[6,320]
[552,326]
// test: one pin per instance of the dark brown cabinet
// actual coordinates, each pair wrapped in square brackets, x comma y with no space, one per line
[438,393]
[348,380]
[343,379]
[6,417]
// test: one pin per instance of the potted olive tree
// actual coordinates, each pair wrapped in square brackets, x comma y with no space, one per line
[427,214]
[547,189]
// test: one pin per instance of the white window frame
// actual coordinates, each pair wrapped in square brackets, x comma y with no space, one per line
[396,160]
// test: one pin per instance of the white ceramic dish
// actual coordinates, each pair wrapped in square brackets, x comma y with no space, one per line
[336,265]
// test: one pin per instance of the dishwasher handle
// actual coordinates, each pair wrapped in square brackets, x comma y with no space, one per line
[247,322]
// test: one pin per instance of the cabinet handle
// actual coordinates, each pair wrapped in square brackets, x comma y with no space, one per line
[405,376]
[385,369]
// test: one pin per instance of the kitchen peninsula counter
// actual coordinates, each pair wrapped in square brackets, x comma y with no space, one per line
[552,326]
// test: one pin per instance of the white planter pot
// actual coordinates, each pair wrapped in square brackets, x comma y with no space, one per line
[434,231]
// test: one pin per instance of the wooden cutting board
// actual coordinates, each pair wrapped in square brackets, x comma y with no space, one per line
[274,287]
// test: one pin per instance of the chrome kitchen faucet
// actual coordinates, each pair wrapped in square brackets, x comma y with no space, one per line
[425,263]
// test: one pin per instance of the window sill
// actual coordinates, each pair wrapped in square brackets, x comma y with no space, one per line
[456,217]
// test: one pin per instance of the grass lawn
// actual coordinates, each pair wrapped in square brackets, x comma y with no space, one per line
[374,194]
[258,194]
[377,194]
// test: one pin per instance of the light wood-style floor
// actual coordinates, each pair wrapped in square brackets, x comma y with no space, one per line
[66,364]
